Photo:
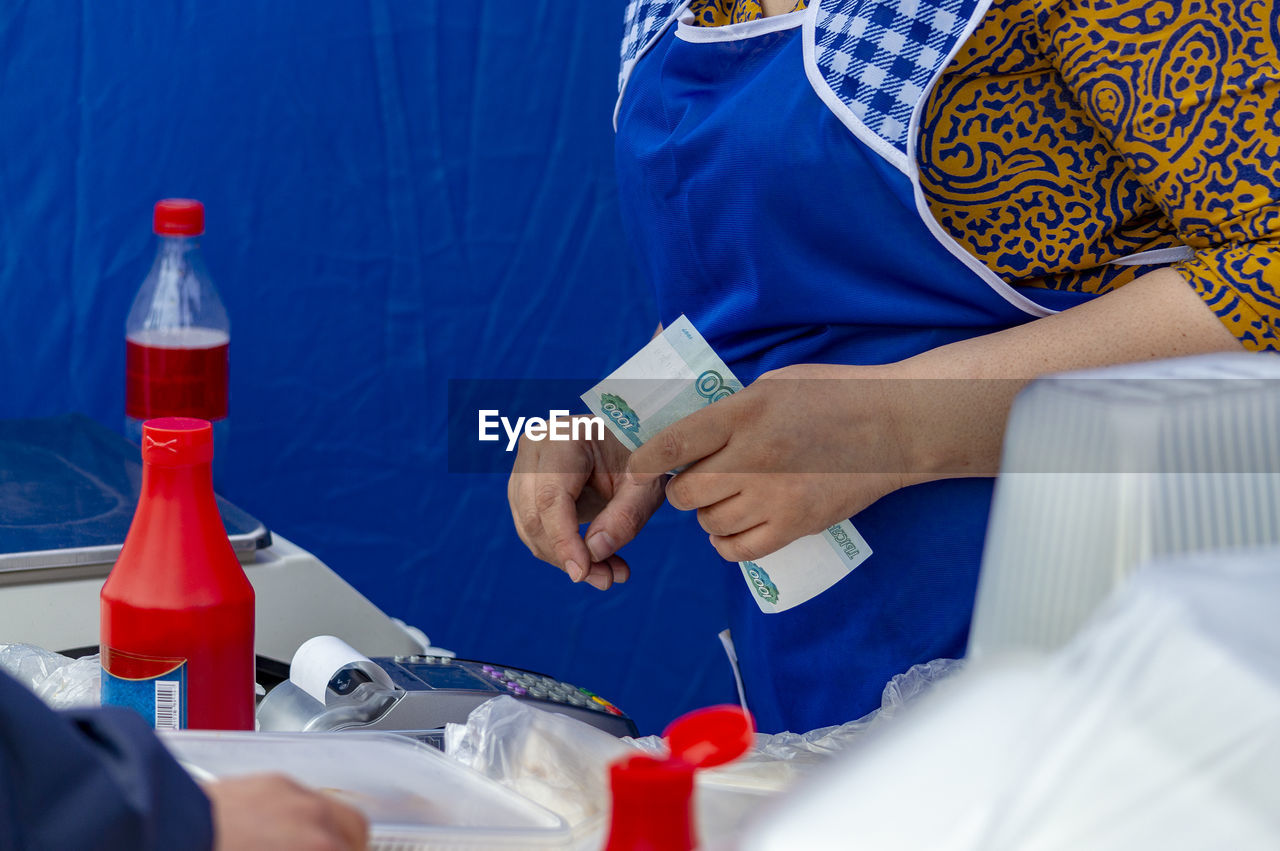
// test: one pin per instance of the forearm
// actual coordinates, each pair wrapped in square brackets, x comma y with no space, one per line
[1155,316]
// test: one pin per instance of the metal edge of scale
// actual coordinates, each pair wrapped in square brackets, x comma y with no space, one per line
[245,545]
[77,456]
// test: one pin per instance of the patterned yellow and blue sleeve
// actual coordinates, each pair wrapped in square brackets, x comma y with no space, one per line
[1188,92]
[718,13]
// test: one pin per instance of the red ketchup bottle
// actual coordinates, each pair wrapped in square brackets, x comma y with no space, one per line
[177,609]
[177,336]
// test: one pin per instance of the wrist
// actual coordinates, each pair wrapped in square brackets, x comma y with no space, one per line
[942,422]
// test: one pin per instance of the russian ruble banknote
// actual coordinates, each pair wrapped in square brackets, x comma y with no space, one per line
[676,374]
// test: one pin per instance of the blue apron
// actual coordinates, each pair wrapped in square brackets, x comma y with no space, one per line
[785,240]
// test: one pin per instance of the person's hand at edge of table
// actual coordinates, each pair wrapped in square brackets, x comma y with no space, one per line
[271,811]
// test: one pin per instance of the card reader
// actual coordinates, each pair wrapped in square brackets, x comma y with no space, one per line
[416,696]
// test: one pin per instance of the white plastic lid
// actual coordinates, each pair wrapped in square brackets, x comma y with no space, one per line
[414,796]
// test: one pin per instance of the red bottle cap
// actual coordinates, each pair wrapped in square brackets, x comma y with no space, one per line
[177,441]
[178,217]
[653,798]
[712,736]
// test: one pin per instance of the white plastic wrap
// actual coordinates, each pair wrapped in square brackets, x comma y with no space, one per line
[778,759]
[551,759]
[60,681]
[1158,726]
[562,763]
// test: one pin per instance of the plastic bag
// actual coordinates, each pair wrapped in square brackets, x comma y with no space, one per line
[60,681]
[562,763]
[551,759]
[778,759]
[1158,726]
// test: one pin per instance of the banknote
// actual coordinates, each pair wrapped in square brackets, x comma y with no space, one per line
[676,374]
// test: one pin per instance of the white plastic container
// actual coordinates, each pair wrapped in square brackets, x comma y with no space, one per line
[415,798]
[1105,469]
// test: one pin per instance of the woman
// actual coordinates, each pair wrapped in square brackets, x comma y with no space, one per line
[910,189]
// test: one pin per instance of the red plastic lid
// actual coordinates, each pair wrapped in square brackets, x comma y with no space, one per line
[177,441]
[709,737]
[178,217]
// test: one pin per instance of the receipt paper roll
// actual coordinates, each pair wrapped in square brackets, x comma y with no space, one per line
[318,659]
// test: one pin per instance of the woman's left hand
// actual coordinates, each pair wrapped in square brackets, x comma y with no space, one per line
[802,448]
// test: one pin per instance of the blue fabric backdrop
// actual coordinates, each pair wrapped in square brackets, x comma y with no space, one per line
[397,194]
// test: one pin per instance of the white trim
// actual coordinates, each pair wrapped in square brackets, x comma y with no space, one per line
[686,30]
[828,96]
[1172,254]
[630,64]
[1003,289]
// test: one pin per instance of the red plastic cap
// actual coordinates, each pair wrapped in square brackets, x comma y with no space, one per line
[178,217]
[177,441]
[712,736]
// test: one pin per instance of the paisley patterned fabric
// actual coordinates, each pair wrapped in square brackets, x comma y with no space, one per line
[1067,134]
[717,13]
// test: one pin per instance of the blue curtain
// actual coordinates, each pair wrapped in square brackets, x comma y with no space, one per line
[397,194]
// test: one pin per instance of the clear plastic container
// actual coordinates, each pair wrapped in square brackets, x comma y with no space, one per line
[178,336]
[416,799]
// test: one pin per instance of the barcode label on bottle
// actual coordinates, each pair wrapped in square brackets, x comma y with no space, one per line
[168,705]
[155,688]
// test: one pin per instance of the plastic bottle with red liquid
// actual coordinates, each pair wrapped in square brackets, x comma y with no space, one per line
[177,608]
[177,336]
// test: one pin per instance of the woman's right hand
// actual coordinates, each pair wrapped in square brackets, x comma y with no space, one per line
[557,485]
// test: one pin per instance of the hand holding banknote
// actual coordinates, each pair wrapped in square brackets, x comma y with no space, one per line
[679,376]
[797,451]
[556,485]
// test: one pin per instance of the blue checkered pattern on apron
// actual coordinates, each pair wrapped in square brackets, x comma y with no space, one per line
[876,57]
[879,56]
[643,21]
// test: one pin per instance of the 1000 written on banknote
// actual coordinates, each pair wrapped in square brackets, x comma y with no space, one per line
[676,374]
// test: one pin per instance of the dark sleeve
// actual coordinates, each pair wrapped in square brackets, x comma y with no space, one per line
[95,778]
